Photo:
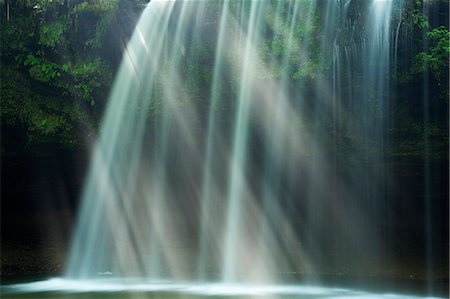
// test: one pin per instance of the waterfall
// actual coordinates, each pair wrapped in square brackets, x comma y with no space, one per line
[221,154]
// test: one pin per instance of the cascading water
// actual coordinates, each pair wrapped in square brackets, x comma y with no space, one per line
[243,143]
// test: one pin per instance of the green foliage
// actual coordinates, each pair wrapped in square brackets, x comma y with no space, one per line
[104,11]
[423,49]
[41,116]
[415,144]
[413,15]
[197,68]
[41,69]
[52,34]
[52,66]
[17,97]
[292,39]
[88,76]
[435,58]
[312,69]
[17,36]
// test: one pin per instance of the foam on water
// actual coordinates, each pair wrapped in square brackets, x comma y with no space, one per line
[202,289]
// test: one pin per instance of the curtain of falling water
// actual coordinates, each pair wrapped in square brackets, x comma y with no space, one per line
[107,238]
[229,172]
